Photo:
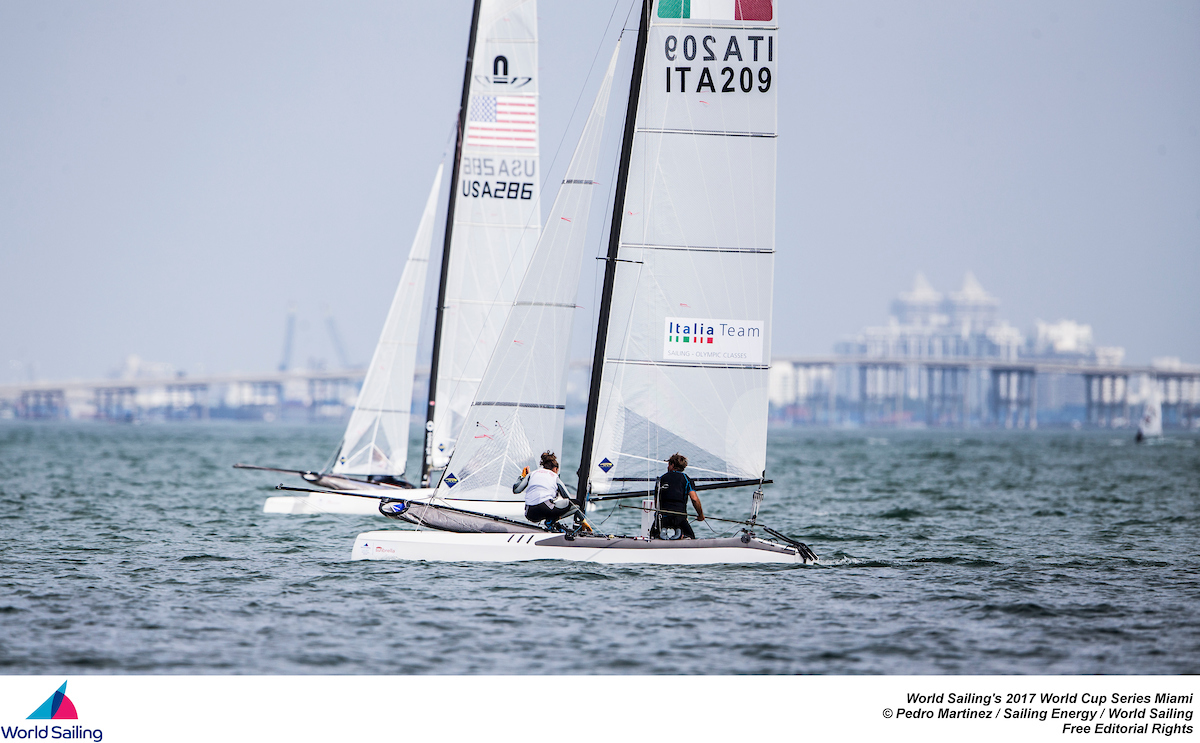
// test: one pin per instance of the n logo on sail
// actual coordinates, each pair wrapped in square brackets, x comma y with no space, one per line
[500,75]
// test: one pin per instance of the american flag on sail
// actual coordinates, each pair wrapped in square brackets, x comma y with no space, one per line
[503,121]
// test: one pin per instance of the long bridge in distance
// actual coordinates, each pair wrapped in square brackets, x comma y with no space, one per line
[964,391]
[807,390]
[266,396]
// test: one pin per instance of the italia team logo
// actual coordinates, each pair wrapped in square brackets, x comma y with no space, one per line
[713,341]
[57,707]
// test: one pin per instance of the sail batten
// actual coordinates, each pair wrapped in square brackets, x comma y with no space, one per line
[697,248]
[714,133]
[644,362]
[503,404]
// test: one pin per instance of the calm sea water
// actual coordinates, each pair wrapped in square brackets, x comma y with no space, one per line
[137,549]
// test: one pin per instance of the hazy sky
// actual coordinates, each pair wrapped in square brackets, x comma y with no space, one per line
[173,176]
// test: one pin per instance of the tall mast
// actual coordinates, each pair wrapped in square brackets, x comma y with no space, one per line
[614,246]
[441,300]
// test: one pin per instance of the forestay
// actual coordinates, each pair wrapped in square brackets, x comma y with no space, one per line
[519,408]
[688,342]
[497,216]
[376,439]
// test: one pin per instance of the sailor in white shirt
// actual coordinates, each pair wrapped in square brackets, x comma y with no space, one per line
[546,497]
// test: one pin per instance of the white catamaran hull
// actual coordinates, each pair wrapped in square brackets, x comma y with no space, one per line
[317,503]
[323,503]
[450,547]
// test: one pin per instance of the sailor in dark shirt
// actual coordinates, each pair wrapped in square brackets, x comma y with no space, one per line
[675,489]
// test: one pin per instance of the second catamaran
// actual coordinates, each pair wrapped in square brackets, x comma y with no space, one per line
[493,220]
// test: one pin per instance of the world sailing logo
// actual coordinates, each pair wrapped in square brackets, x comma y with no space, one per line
[713,341]
[57,707]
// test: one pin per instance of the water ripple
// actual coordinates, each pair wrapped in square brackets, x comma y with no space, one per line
[1005,552]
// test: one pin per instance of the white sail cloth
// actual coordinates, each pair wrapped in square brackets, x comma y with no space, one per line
[519,408]
[1151,424]
[688,343]
[497,216]
[376,438]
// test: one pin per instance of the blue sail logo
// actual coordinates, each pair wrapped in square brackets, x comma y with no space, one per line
[57,707]
[606,465]
[451,480]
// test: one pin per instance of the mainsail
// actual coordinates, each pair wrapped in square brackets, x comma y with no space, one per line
[518,410]
[495,212]
[681,361]
[376,438]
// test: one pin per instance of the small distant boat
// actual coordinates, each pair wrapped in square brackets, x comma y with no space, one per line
[682,344]
[1150,427]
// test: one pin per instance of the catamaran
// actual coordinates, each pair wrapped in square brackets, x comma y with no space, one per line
[493,220]
[682,347]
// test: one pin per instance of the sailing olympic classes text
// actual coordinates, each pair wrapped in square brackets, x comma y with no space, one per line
[500,167]
[719,79]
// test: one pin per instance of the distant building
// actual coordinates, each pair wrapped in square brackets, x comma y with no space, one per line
[1068,340]
[907,371]
[924,324]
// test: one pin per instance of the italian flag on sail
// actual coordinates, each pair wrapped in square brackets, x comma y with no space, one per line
[718,10]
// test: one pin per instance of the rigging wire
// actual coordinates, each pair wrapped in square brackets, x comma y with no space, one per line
[591,68]
[611,511]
